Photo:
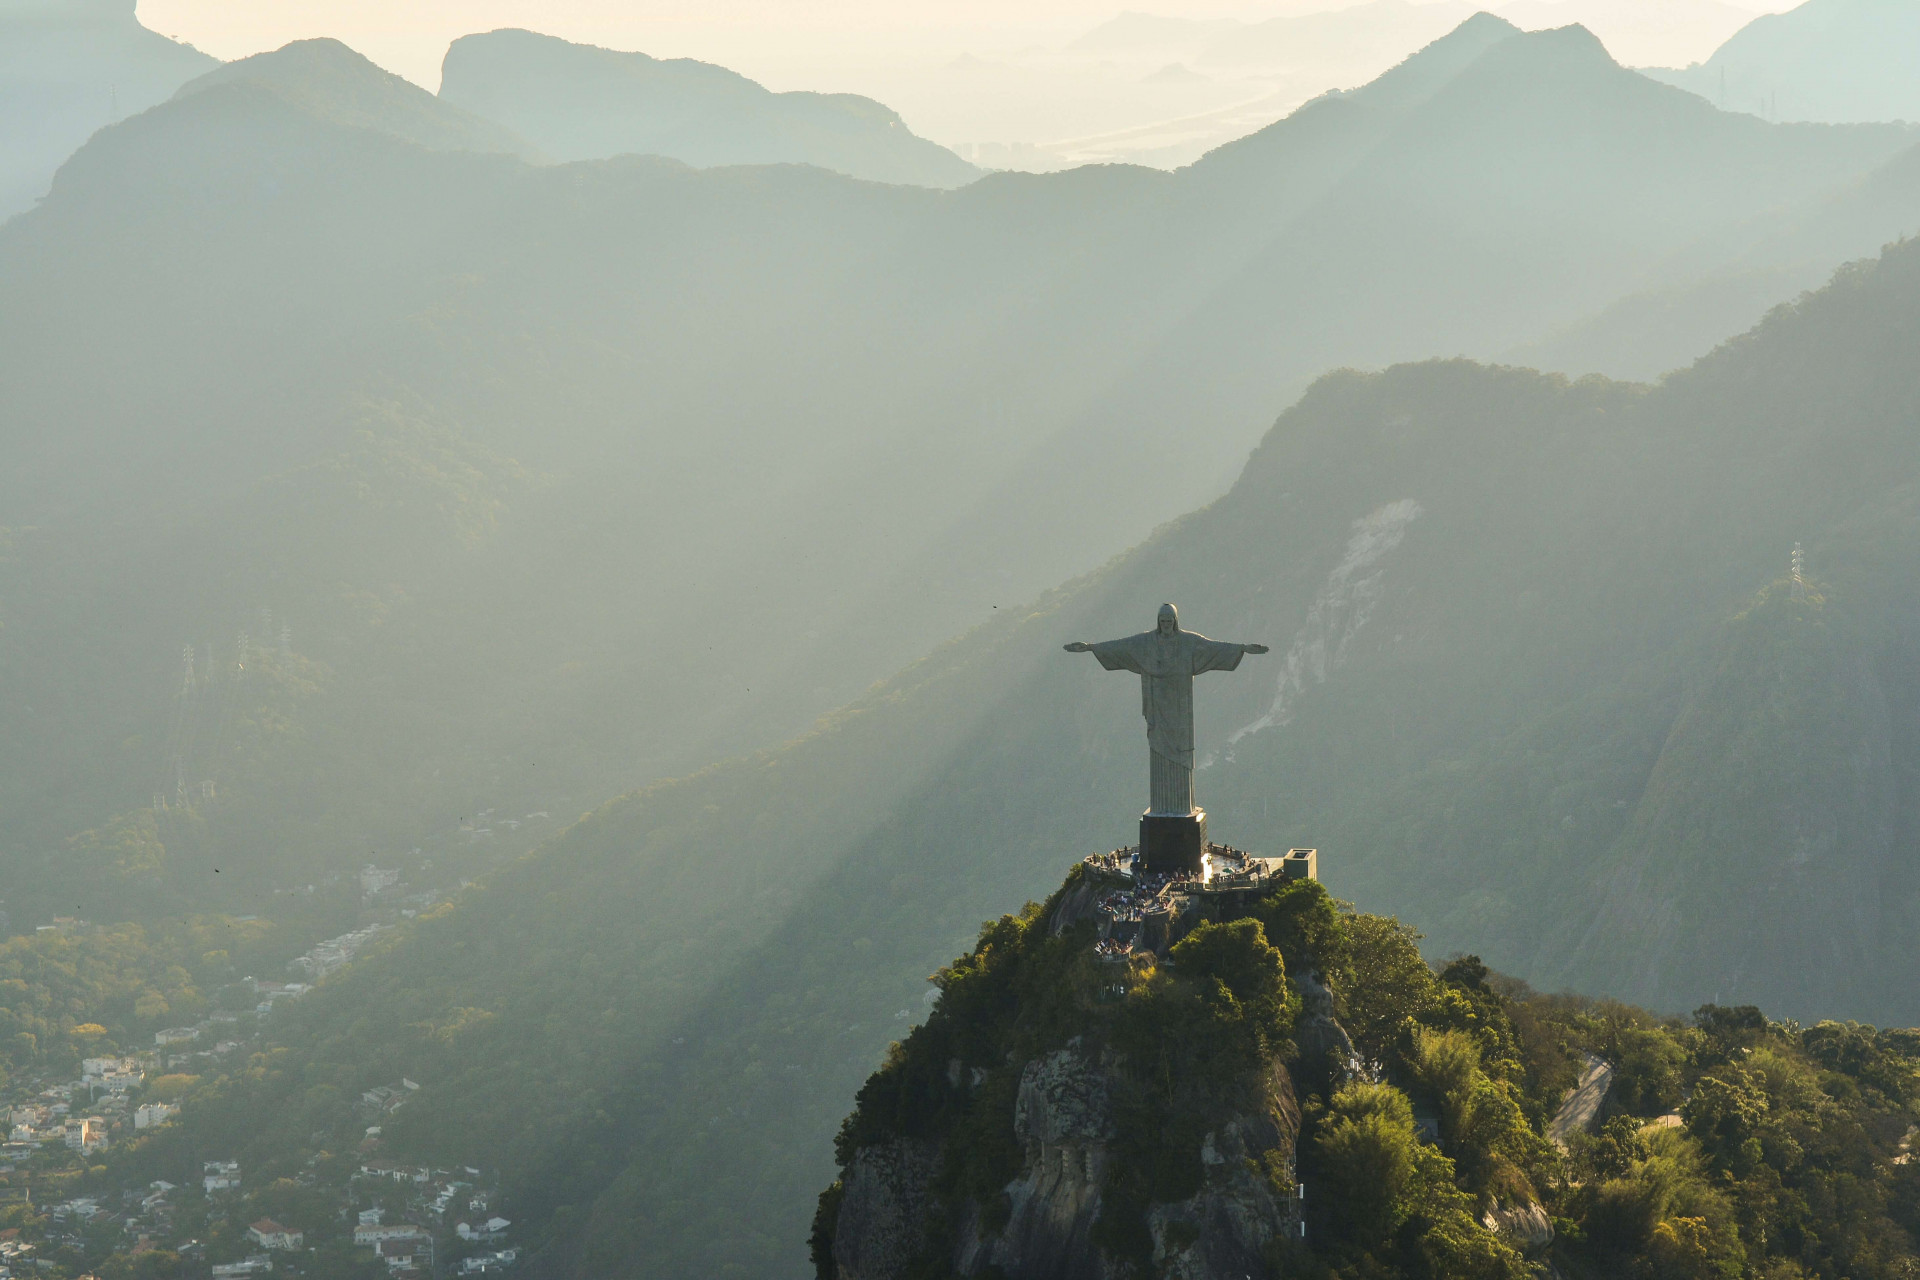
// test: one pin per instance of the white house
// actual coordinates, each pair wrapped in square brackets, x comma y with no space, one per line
[269,1234]
[408,1252]
[221,1175]
[491,1229]
[115,1074]
[255,1265]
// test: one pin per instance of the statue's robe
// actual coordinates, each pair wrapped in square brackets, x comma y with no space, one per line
[1166,666]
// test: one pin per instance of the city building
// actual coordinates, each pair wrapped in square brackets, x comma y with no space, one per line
[86,1134]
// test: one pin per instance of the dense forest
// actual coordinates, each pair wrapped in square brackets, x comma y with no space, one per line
[1731,1144]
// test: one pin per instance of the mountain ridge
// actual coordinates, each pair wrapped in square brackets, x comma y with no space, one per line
[235,259]
[583,102]
[332,82]
[1825,60]
[67,69]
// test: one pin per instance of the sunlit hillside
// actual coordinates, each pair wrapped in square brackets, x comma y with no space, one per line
[1539,681]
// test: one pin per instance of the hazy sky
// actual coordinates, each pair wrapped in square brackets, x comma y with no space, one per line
[959,71]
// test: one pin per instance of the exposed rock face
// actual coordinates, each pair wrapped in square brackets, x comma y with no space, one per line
[1225,1228]
[886,1197]
[1526,1226]
[1064,1116]
[1087,1111]
[1076,904]
[1319,1033]
[1065,1098]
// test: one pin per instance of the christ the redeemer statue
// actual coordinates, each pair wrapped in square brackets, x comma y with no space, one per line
[1173,830]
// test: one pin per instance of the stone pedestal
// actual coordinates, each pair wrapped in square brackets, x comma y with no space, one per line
[1171,843]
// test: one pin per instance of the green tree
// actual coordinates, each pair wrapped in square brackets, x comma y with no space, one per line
[1366,1153]
[1446,1071]
[1389,984]
[1390,1200]
[1649,1070]
[1726,1109]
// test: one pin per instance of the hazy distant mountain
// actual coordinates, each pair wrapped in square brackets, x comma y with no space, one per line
[1636,336]
[331,82]
[579,102]
[1173,73]
[1132,33]
[1732,284]
[68,67]
[574,430]
[1638,32]
[1540,684]
[1423,213]
[1835,60]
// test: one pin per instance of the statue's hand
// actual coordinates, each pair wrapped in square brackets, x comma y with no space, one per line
[1078,647]
[1254,648]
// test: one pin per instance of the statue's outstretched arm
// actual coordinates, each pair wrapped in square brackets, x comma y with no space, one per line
[1254,648]
[1078,647]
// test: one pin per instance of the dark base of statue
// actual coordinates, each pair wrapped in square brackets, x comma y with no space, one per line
[1171,843]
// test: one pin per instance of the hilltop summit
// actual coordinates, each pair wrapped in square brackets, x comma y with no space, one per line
[67,68]
[1090,1097]
[582,102]
[1268,1084]
[332,82]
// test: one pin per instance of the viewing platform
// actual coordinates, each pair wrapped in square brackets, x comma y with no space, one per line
[1141,910]
[1222,869]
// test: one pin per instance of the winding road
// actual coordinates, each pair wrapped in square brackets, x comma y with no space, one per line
[1582,1105]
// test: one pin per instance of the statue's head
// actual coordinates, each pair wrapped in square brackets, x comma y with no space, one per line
[1169,620]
